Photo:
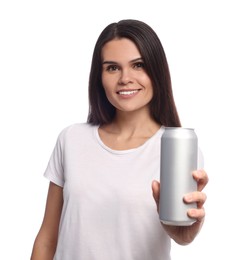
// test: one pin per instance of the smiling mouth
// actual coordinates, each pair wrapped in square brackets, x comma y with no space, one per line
[127,92]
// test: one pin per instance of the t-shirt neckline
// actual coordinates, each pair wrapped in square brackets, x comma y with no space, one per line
[121,152]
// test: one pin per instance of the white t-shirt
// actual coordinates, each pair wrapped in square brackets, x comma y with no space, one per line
[109,212]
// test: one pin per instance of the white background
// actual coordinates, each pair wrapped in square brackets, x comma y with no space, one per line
[45,55]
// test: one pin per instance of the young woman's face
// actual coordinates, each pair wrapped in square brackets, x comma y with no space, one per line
[126,83]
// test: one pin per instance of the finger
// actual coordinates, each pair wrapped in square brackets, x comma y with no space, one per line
[202,179]
[195,197]
[198,214]
[156,191]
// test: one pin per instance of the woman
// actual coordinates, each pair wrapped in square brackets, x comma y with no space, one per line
[104,175]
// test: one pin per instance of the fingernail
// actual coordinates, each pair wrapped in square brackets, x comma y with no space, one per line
[196,174]
[192,212]
[188,197]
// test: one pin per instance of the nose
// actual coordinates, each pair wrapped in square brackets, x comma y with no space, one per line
[125,77]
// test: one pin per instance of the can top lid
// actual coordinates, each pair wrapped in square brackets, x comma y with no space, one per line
[178,128]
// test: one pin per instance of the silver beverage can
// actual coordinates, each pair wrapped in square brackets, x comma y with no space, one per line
[179,156]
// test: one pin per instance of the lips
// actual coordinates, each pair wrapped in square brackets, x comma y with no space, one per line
[128,92]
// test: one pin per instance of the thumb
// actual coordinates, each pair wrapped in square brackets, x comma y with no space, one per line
[156,192]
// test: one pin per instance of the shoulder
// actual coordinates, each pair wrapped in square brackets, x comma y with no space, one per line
[76,130]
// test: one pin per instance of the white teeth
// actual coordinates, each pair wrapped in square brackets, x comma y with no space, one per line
[128,92]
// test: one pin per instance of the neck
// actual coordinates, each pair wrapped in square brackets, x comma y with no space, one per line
[133,124]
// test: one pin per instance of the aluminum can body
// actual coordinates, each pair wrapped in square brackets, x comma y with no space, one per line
[179,156]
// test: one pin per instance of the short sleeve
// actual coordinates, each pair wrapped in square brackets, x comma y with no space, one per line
[55,169]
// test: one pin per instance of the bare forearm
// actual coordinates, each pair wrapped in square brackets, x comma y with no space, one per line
[46,241]
[43,251]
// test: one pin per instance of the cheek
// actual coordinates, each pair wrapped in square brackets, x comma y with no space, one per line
[105,82]
[107,86]
[144,79]
[108,83]
[148,84]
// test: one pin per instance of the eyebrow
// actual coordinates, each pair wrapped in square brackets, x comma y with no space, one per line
[114,62]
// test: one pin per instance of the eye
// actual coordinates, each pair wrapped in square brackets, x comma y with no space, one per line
[138,65]
[112,68]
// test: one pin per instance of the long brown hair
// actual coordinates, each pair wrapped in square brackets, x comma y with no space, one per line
[162,106]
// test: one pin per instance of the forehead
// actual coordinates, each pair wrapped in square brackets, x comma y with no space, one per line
[120,49]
